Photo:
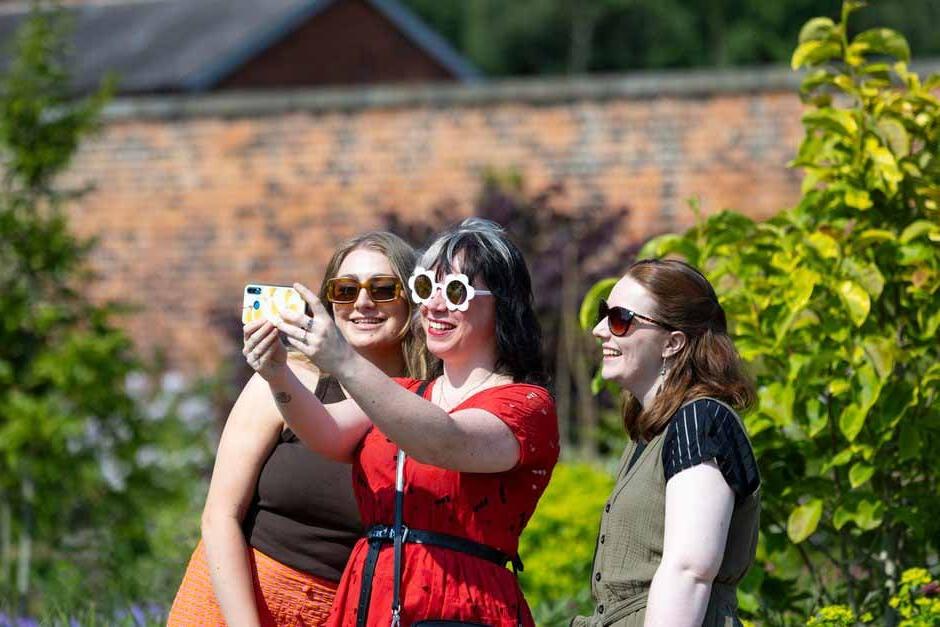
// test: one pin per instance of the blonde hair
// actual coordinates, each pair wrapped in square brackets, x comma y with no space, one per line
[402,257]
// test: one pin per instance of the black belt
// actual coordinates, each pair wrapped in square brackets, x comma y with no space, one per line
[380,535]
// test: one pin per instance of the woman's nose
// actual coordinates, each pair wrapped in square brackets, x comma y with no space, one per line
[600,330]
[436,301]
[363,299]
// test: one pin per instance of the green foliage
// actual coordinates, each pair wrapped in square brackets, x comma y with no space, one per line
[572,36]
[558,543]
[835,305]
[93,453]
[917,603]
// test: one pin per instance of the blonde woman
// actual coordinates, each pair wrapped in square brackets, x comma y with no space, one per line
[280,520]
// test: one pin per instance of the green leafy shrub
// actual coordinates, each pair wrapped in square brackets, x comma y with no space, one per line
[558,544]
[835,305]
[917,603]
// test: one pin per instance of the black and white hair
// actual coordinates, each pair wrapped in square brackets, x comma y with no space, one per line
[485,252]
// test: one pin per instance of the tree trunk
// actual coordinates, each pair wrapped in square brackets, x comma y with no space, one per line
[24,553]
[715,27]
[583,20]
[563,380]
[587,403]
[6,551]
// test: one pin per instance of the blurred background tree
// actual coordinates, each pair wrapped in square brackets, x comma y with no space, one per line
[577,36]
[96,460]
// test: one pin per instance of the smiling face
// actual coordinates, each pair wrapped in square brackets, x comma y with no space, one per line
[456,335]
[370,327]
[634,359]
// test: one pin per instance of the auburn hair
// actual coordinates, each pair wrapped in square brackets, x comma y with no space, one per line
[707,365]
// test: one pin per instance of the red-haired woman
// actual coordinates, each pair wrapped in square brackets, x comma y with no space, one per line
[679,530]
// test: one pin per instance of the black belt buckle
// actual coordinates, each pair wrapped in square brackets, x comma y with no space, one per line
[381,533]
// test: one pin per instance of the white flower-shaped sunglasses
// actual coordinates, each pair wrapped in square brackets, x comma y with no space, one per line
[456,289]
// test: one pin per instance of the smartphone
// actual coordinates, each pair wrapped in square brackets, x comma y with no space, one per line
[265,301]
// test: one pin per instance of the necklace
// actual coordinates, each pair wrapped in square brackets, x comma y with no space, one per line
[450,406]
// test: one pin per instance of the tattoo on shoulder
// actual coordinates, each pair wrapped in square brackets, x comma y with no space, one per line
[282,397]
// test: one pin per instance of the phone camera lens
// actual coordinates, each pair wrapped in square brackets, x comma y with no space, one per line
[254,290]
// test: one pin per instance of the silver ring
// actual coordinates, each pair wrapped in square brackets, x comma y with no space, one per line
[309,325]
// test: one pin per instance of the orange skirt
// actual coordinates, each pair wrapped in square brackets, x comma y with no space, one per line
[284,596]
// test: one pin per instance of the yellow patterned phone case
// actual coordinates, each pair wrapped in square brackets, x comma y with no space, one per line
[266,301]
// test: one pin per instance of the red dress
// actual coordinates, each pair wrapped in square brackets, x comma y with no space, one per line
[490,508]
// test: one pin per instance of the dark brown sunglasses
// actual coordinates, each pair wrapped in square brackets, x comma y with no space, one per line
[620,319]
[345,290]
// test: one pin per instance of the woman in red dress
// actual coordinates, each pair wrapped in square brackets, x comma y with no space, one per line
[480,440]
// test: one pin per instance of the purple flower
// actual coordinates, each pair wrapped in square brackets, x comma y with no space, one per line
[140,617]
[156,611]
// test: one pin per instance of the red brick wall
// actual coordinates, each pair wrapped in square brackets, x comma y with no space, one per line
[193,202]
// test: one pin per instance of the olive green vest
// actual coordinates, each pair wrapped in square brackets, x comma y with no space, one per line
[630,546]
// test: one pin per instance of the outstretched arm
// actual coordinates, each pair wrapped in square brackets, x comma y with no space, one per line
[333,432]
[471,440]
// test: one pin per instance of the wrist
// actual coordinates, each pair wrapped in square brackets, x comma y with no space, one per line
[277,374]
[345,365]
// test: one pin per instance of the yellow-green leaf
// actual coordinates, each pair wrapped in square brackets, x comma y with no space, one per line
[824,244]
[895,136]
[859,473]
[852,420]
[837,121]
[841,517]
[814,79]
[869,386]
[804,520]
[816,29]
[866,514]
[917,229]
[813,52]
[776,401]
[884,41]
[587,316]
[817,418]
[877,235]
[869,515]
[881,352]
[885,165]
[838,386]
[858,198]
[856,301]
[865,274]
[841,458]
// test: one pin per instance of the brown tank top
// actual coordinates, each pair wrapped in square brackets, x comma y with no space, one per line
[303,513]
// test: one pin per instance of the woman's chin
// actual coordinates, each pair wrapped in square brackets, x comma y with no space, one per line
[609,372]
[438,348]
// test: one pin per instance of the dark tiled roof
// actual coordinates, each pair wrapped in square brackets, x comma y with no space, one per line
[191,45]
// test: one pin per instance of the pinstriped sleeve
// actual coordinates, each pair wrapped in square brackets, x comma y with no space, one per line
[704,430]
